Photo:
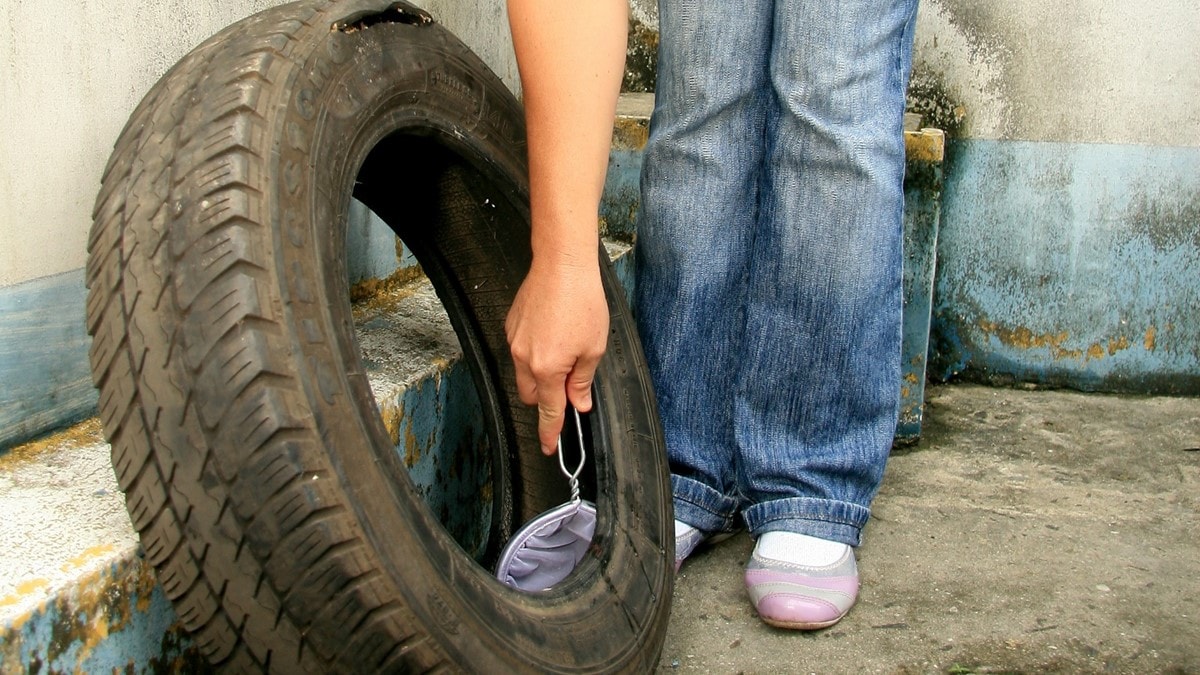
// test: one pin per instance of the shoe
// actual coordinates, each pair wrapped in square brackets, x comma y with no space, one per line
[688,539]
[801,597]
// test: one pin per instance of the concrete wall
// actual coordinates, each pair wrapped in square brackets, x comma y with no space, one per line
[1067,71]
[70,78]
[1070,233]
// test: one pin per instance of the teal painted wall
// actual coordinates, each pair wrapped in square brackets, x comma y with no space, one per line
[45,382]
[1069,264]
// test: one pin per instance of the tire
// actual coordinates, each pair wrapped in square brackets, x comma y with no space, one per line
[267,494]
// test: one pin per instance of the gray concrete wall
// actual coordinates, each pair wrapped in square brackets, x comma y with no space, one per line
[1074,71]
[72,74]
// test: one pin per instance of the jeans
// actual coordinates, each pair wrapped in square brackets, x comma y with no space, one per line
[768,258]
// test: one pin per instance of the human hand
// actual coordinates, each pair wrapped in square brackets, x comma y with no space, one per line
[557,331]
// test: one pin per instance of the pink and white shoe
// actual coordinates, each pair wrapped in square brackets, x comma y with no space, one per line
[798,596]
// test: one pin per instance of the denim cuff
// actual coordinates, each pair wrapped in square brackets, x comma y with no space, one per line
[702,507]
[824,518]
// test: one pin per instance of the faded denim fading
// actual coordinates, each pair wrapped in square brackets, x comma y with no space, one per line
[768,257]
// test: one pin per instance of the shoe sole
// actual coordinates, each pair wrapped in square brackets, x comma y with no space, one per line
[799,625]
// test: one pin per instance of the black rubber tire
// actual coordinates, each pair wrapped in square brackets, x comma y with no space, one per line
[267,494]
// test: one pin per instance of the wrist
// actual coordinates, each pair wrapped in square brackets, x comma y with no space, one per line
[566,250]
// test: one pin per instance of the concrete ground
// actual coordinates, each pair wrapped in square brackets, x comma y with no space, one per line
[1029,531]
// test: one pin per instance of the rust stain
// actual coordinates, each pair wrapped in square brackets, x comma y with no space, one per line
[378,295]
[412,449]
[144,584]
[89,555]
[391,421]
[87,432]
[631,133]
[1150,340]
[1023,338]
[1118,345]
[1111,347]
[925,145]
[97,607]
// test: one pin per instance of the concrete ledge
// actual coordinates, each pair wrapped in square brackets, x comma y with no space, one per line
[75,595]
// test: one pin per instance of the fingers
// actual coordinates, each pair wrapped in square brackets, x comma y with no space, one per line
[552,408]
[526,383]
[549,394]
[579,383]
[556,342]
[552,393]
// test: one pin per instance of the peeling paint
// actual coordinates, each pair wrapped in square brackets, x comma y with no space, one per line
[1071,268]
[924,150]
[1023,338]
[114,620]
[448,454]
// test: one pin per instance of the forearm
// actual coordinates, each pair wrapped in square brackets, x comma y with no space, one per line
[571,56]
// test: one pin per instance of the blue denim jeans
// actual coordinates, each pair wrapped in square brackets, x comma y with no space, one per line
[768,258]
